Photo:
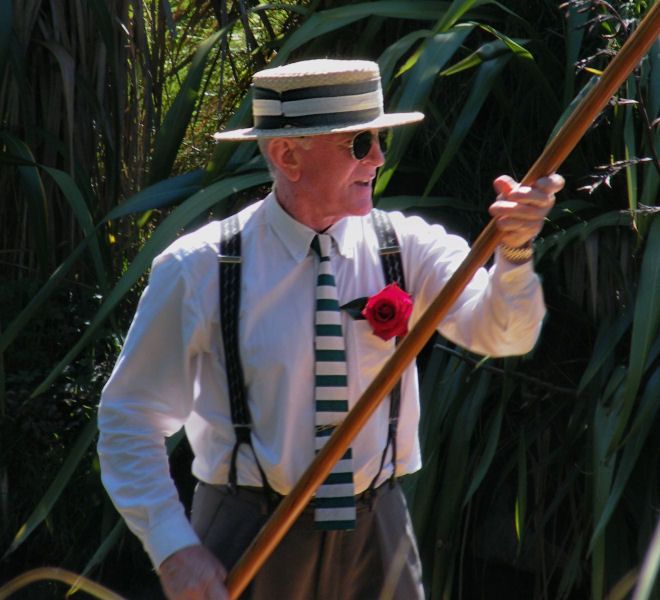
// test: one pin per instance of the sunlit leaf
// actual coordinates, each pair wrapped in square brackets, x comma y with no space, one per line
[649,571]
[159,195]
[487,52]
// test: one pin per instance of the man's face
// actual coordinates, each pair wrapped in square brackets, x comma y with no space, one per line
[335,181]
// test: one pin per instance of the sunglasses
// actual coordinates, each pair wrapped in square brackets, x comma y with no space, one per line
[361,144]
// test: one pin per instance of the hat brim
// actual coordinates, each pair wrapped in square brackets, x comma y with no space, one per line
[382,122]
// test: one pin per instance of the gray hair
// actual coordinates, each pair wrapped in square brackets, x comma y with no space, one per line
[303,142]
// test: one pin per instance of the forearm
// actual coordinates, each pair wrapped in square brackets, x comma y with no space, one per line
[504,317]
[135,472]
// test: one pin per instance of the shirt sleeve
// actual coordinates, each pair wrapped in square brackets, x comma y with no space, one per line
[501,310]
[147,398]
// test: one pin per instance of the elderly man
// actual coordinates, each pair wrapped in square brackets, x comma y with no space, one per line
[261,372]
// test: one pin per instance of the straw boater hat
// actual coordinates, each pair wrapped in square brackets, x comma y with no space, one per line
[315,97]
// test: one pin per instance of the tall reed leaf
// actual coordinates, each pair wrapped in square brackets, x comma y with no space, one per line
[418,82]
[39,217]
[67,74]
[159,195]
[73,195]
[6,16]
[486,77]
[173,129]
[605,421]
[573,40]
[457,9]
[520,511]
[609,335]
[651,70]
[19,322]
[632,449]
[161,237]
[326,21]
[645,324]
[56,487]
[650,567]
[492,439]
[488,51]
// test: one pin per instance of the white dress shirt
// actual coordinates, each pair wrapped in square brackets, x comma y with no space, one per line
[171,370]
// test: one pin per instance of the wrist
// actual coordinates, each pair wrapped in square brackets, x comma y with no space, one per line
[518,255]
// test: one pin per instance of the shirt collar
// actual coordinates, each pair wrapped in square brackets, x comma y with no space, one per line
[297,237]
[346,233]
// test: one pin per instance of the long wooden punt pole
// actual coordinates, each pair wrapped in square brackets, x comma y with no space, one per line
[553,155]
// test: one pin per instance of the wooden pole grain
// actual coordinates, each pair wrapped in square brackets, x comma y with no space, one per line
[559,147]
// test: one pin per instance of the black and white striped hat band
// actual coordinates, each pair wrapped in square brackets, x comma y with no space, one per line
[318,106]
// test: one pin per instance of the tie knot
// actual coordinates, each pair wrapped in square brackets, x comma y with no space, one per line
[321,245]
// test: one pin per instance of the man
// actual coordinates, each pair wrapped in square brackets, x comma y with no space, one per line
[318,125]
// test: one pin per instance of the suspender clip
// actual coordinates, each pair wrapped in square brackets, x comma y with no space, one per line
[389,250]
[223,258]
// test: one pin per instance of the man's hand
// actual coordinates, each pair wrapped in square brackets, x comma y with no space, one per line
[520,210]
[193,573]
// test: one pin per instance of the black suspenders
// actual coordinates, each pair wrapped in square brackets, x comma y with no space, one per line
[229,263]
[390,257]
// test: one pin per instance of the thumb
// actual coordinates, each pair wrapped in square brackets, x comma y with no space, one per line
[504,184]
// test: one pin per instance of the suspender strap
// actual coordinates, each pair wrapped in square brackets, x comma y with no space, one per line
[229,263]
[390,256]
[388,248]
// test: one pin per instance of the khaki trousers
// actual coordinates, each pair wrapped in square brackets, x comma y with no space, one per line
[377,561]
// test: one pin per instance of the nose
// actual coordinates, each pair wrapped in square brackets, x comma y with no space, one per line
[375,155]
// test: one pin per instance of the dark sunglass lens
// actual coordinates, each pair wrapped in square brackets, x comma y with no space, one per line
[362,144]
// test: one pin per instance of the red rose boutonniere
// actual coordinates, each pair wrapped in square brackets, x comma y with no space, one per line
[387,311]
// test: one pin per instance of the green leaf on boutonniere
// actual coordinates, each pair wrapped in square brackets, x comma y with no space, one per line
[355,307]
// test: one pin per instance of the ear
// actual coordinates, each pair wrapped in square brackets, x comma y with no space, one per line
[284,154]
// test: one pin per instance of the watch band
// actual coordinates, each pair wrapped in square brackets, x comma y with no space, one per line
[517,255]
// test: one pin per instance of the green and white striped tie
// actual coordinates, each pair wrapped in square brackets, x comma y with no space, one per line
[335,498]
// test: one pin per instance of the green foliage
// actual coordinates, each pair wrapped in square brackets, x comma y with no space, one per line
[542,470]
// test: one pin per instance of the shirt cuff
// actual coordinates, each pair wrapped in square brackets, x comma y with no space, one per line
[169,536]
